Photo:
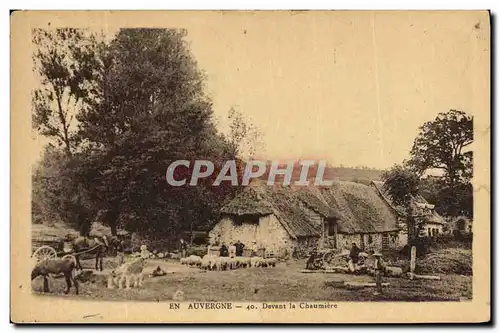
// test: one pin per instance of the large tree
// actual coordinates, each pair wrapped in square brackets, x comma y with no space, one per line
[151,110]
[442,144]
[142,106]
[402,185]
[64,60]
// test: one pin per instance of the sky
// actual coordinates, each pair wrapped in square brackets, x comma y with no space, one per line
[351,88]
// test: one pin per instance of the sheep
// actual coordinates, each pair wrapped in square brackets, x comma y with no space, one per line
[191,261]
[256,261]
[208,262]
[194,261]
[271,262]
[233,263]
[65,266]
[222,263]
[128,271]
[244,262]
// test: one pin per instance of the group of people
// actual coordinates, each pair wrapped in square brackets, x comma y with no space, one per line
[234,250]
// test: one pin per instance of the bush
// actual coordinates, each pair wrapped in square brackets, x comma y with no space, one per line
[446,261]
[422,244]
[456,240]
[197,250]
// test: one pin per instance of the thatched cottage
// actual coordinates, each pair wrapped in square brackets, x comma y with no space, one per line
[293,220]
[428,221]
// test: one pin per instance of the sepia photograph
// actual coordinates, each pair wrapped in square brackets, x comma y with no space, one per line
[250,166]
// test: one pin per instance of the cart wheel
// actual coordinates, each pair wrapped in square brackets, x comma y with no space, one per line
[45,252]
[328,257]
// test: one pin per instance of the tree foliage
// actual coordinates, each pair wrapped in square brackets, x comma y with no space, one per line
[64,60]
[60,190]
[145,108]
[244,138]
[401,185]
[441,144]
[449,201]
[444,144]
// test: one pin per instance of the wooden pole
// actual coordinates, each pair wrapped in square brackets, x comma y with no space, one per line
[413,276]
[413,258]
[365,284]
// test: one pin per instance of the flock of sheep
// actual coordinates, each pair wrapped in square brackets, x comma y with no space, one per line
[216,263]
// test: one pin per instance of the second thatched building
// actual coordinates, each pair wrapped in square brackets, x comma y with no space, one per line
[285,221]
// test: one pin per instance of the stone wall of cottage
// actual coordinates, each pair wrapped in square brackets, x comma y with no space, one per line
[367,242]
[269,234]
[431,229]
[304,246]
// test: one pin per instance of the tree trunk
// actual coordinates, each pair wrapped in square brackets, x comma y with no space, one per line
[85,228]
[111,219]
[191,233]
[112,225]
[64,124]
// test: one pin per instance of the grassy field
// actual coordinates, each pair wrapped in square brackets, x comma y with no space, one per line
[282,283]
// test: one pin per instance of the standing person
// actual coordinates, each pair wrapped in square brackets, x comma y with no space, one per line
[254,249]
[183,248]
[223,252]
[353,257]
[232,250]
[239,248]
[379,267]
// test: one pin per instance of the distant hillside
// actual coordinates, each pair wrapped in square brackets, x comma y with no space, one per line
[352,174]
[360,175]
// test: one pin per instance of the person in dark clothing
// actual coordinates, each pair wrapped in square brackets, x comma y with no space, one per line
[183,248]
[310,262]
[239,248]
[354,254]
[224,251]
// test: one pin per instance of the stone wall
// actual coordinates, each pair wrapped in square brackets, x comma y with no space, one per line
[369,241]
[431,229]
[268,233]
[304,246]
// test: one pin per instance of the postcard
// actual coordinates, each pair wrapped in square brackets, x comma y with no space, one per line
[250,167]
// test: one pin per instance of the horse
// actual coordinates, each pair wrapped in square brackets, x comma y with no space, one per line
[97,245]
[55,266]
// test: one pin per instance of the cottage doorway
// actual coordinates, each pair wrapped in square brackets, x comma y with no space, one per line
[385,241]
[331,234]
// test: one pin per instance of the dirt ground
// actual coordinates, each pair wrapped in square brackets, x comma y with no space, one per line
[285,282]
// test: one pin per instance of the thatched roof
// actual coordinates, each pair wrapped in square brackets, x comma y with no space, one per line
[419,205]
[311,196]
[357,207]
[362,209]
[264,200]
[248,202]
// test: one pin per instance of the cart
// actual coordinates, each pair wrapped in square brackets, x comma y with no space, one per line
[323,258]
[51,248]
